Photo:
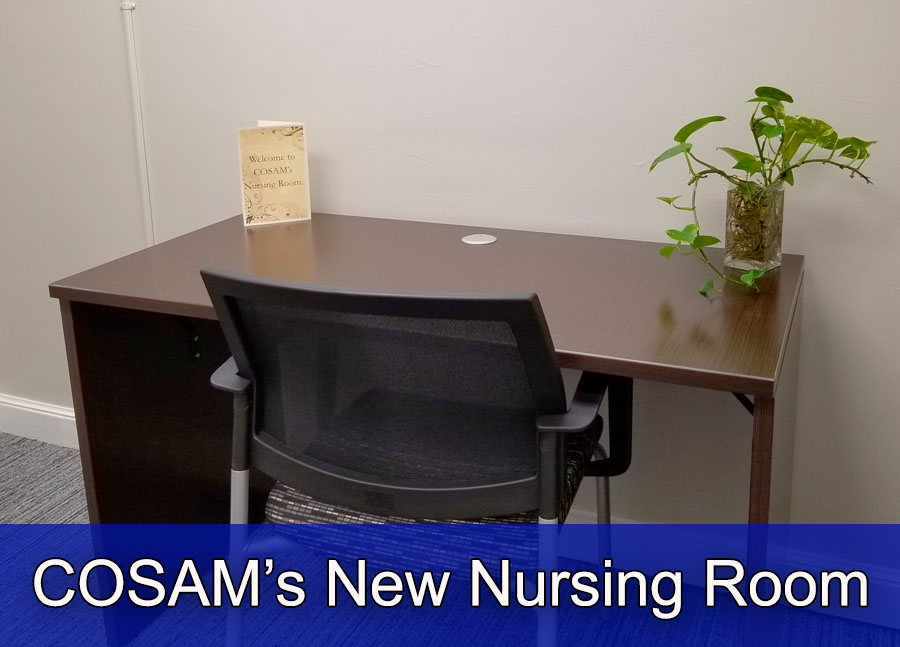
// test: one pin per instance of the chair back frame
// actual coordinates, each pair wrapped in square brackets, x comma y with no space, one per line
[425,499]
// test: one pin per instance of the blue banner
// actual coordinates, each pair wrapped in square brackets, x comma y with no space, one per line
[450,585]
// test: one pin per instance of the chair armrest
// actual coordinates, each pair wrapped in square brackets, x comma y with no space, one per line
[226,378]
[582,412]
[620,419]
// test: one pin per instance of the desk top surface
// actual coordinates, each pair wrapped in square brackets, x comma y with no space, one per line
[613,306]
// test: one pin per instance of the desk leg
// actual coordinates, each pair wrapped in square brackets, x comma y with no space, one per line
[761,458]
[772,457]
[760,490]
[757,624]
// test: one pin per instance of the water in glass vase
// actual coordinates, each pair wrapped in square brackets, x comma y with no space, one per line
[753,228]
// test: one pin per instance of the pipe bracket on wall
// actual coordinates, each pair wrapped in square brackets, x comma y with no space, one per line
[134,81]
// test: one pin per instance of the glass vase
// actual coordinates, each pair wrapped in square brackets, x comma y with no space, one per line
[753,222]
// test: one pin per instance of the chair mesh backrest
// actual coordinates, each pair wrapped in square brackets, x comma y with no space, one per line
[403,390]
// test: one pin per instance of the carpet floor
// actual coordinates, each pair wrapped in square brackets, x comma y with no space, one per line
[40,483]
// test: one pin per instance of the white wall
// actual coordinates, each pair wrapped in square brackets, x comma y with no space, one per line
[545,116]
[68,184]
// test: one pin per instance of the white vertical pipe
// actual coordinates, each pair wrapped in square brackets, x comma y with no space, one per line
[138,119]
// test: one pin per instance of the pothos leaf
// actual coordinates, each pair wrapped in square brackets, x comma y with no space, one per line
[855,153]
[749,164]
[706,287]
[686,235]
[757,127]
[774,109]
[768,92]
[667,250]
[858,143]
[704,241]
[736,154]
[689,129]
[854,147]
[835,142]
[749,277]
[790,146]
[669,200]
[683,147]
[772,131]
[814,131]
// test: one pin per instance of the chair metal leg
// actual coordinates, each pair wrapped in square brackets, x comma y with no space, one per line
[604,534]
[237,539]
[603,513]
[240,496]
[234,619]
[602,483]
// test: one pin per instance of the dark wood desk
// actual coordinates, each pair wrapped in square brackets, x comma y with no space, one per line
[142,339]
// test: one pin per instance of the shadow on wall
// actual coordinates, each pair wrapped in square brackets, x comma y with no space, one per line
[687,444]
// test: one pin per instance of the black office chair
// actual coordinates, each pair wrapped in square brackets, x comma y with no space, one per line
[400,408]
[389,408]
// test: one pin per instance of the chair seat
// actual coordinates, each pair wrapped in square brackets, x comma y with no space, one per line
[286,505]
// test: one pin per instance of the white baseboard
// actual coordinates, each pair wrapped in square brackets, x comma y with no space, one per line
[38,420]
[589,515]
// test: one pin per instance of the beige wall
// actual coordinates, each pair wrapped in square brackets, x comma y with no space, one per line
[68,182]
[519,114]
[545,116]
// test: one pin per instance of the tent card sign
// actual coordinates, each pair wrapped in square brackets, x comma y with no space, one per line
[274,173]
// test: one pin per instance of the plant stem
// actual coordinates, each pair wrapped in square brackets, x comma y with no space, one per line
[694,202]
[779,153]
[826,160]
[700,175]
[715,269]
[710,169]
[766,179]
[687,158]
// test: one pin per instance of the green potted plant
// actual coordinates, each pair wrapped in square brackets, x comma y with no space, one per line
[755,202]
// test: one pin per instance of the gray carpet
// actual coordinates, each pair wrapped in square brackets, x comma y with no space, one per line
[40,483]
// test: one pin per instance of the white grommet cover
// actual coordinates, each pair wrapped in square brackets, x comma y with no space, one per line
[479,239]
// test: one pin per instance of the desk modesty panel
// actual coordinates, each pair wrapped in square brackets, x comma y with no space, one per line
[613,306]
